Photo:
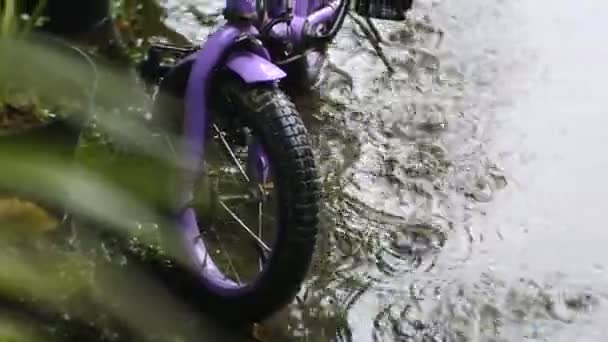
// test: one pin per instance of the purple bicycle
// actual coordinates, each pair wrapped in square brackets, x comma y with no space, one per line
[248,166]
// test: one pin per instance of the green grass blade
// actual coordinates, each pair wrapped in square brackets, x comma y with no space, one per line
[8,18]
[29,26]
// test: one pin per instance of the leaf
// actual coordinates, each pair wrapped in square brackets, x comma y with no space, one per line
[25,216]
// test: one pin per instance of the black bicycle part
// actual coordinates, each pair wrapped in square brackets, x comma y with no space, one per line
[393,10]
[160,59]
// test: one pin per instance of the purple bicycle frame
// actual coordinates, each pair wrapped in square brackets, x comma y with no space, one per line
[252,66]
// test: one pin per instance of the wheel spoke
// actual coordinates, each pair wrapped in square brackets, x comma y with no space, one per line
[234,158]
[231,164]
[236,218]
[225,198]
[260,222]
[230,263]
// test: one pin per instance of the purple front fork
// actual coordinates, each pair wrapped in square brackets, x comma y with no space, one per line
[196,119]
[196,103]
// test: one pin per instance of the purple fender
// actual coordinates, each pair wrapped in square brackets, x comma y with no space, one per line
[253,68]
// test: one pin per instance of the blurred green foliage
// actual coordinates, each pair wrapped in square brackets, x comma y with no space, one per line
[13,23]
[78,291]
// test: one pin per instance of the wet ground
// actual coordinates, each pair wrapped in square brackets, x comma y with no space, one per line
[464,193]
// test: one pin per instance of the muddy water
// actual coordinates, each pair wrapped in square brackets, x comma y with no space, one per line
[464,193]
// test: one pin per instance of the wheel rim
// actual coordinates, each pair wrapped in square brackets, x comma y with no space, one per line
[210,223]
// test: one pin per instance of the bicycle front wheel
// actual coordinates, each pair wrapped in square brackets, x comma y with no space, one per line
[250,232]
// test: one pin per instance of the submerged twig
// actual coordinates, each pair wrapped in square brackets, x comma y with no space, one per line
[373,36]
[373,29]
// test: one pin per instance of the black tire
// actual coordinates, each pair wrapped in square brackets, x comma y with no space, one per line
[265,109]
